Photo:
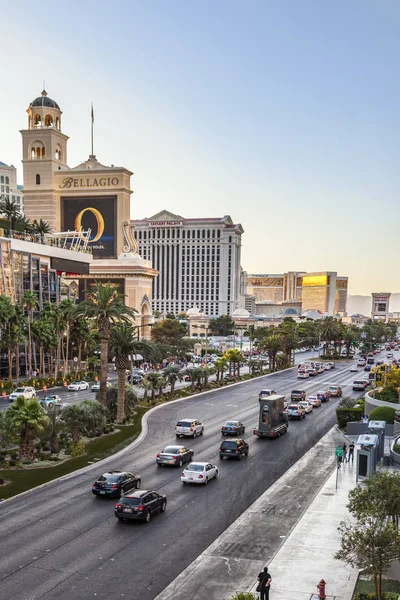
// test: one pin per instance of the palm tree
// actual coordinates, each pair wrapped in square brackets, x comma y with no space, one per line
[329,330]
[75,416]
[30,302]
[172,374]
[41,228]
[7,313]
[10,210]
[27,417]
[192,373]
[153,379]
[17,334]
[272,344]
[235,357]
[105,305]
[124,345]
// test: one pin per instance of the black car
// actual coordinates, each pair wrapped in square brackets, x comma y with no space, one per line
[116,483]
[234,449]
[367,368]
[297,395]
[136,379]
[140,505]
[174,455]
[233,428]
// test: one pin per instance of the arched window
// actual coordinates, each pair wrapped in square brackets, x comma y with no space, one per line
[38,153]
[57,123]
[48,121]
[57,154]
[37,121]
[7,181]
[37,179]
[2,179]
[43,152]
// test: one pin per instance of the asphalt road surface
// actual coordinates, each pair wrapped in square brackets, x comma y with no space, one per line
[63,543]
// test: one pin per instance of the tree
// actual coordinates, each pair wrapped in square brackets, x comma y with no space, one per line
[172,374]
[221,365]
[7,313]
[329,331]
[221,326]
[193,374]
[10,211]
[383,413]
[271,344]
[41,228]
[153,380]
[123,345]
[288,334]
[30,302]
[370,545]
[105,305]
[234,357]
[169,332]
[379,497]
[28,419]
[75,416]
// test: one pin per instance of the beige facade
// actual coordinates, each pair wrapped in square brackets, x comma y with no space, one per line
[91,197]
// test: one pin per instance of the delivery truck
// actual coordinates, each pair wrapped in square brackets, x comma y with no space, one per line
[273,420]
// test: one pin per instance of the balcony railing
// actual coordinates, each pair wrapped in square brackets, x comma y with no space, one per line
[76,241]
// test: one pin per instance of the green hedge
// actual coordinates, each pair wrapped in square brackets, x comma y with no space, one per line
[345,415]
[388,394]
[385,596]
[383,413]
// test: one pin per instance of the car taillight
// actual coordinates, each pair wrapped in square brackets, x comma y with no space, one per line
[191,429]
[140,508]
[118,505]
[158,455]
[237,450]
[173,456]
[114,486]
[175,427]
[233,428]
[201,477]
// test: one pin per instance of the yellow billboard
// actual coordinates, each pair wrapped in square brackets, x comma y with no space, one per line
[315,280]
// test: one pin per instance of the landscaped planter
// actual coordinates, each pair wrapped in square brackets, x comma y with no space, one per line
[371,403]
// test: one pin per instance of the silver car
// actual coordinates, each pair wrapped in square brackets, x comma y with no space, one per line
[189,427]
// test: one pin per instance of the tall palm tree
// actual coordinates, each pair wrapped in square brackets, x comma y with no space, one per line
[30,303]
[235,357]
[75,417]
[329,331]
[272,344]
[172,374]
[68,311]
[27,417]
[10,211]
[7,313]
[41,228]
[152,382]
[221,365]
[17,334]
[124,345]
[105,305]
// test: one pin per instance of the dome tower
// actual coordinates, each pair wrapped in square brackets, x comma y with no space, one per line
[44,151]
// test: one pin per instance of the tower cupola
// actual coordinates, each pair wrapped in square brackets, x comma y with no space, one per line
[44,112]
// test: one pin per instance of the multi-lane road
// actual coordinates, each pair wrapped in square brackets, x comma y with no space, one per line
[60,542]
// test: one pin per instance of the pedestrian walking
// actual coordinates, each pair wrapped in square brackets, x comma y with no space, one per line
[344,452]
[264,581]
[351,452]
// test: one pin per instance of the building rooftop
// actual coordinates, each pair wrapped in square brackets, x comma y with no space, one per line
[44,100]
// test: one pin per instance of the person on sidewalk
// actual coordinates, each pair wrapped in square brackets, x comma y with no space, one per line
[264,579]
[345,453]
[351,452]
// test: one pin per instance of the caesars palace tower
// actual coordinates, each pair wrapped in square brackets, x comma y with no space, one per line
[90,196]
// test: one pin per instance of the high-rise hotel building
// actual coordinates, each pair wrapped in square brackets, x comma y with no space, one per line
[198,261]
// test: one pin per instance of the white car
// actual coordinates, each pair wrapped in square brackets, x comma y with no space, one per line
[308,407]
[302,375]
[354,369]
[77,386]
[26,392]
[327,367]
[361,362]
[314,401]
[189,427]
[199,472]
[96,386]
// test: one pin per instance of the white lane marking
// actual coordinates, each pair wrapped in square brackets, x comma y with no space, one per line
[234,405]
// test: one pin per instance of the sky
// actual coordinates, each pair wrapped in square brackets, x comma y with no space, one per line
[283,114]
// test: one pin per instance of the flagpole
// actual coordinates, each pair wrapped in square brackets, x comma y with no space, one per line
[92,115]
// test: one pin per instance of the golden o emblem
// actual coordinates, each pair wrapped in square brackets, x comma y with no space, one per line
[99,220]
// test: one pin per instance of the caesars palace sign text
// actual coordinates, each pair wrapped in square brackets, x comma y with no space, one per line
[72,182]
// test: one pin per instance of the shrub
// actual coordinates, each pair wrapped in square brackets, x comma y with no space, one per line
[345,415]
[383,413]
[372,596]
[77,449]
[388,394]
[244,596]
[347,402]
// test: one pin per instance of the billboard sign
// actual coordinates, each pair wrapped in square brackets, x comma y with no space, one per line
[97,214]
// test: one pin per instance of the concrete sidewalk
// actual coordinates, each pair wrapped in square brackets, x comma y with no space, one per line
[307,556]
[292,528]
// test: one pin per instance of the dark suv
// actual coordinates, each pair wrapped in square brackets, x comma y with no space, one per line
[298,395]
[234,449]
[140,505]
[115,483]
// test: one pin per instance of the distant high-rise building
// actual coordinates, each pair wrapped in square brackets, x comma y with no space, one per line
[275,288]
[198,260]
[9,187]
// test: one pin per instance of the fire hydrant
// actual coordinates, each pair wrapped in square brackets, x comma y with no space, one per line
[321,589]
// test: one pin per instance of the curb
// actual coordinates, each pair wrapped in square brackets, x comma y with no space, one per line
[135,442]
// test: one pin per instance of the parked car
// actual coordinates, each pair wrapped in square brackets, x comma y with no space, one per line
[297,395]
[233,428]
[189,427]
[314,400]
[335,391]
[308,407]
[174,455]
[115,483]
[234,449]
[26,392]
[199,472]
[140,505]
[265,393]
[323,395]
[296,411]
[77,386]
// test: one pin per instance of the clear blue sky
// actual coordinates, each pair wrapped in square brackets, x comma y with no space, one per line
[283,114]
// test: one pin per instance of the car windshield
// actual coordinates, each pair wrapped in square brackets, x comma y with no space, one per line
[184,424]
[297,392]
[110,478]
[194,467]
[231,424]
[229,444]
[19,390]
[131,501]
[75,383]
[172,449]
[293,407]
